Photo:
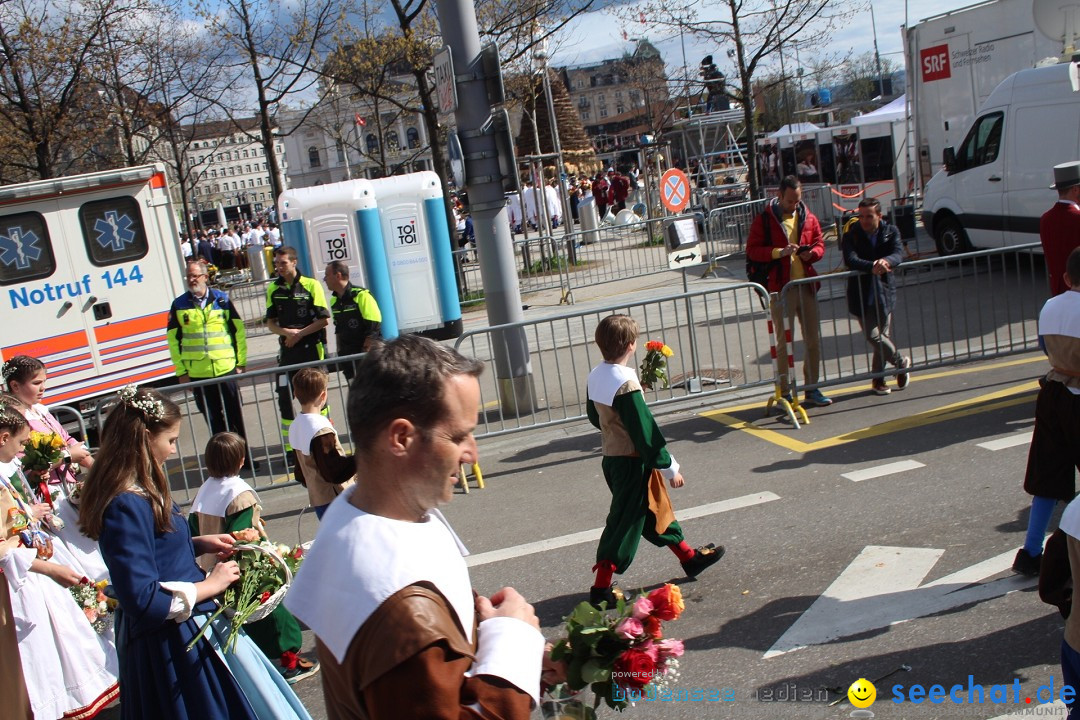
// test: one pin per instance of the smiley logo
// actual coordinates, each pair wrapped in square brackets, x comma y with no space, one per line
[862,693]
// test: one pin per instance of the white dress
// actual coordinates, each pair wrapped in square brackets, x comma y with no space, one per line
[67,665]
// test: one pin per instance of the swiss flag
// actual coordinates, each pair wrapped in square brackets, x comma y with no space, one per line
[360,120]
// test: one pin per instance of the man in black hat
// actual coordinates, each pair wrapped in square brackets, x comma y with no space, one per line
[1059,227]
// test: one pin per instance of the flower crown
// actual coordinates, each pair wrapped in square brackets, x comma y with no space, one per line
[7,370]
[153,409]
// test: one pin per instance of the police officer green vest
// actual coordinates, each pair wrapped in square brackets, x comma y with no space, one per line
[356,318]
[206,340]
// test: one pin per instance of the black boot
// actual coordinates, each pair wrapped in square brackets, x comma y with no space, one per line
[703,557]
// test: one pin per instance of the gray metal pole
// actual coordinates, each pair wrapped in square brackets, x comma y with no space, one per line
[498,268]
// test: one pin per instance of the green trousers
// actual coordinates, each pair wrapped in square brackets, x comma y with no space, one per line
[629,518]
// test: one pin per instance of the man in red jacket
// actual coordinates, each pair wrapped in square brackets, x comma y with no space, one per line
[1059,228]
[787,234]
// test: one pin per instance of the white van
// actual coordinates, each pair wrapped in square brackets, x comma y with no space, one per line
[89,265]
[995,186]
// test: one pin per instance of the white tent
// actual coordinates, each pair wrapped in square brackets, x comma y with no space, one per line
[794,129]
[896,110]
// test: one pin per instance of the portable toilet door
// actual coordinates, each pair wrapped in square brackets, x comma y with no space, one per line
[416,239]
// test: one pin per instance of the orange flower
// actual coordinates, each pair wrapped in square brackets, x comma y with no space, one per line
[247,535]
[654,345]
[667,602]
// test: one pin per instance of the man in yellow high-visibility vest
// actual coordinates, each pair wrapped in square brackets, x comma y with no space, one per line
[207,340]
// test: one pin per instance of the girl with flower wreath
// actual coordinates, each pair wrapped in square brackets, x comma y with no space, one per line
[25,377]
[164,597]
[69,669]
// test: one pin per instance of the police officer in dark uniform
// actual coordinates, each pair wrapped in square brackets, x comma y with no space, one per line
[296,310]
[356,314]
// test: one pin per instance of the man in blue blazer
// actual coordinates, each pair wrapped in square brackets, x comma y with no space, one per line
[873,249]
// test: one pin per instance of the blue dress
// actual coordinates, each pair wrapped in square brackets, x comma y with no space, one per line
[159,677]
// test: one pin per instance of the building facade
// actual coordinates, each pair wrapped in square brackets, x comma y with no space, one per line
[227,165]
[618,100]
[347,137]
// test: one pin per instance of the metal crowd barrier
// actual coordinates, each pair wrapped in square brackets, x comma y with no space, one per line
[249,299]
[719,337]
[949,310]
[729,226]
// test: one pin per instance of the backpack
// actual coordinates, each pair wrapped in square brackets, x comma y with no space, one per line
[757,271]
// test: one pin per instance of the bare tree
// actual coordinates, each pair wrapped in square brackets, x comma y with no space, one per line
[47,103]
[275,51]
[757,31]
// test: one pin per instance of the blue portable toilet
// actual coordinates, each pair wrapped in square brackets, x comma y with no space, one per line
[330,222]
[417,247]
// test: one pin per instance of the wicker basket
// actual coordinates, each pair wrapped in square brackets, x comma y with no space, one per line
[274,600]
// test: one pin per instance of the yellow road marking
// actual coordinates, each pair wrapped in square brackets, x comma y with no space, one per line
[1008,397]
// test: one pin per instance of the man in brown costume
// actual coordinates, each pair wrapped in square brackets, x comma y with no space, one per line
[400,632]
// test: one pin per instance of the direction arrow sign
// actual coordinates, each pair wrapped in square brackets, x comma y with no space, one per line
[882,587]
[674,190]
[683,258]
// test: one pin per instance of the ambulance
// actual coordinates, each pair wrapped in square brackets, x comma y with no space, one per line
[89,266]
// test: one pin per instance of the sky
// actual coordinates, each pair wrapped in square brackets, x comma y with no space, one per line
[598,35]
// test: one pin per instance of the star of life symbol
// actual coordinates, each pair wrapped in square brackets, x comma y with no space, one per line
[19,248]
[114,231]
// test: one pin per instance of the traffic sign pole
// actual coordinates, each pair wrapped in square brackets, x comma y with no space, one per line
[494,242]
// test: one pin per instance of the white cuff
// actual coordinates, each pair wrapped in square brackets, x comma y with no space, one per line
[183,601]
[671,470]
[16,565]
[510,649]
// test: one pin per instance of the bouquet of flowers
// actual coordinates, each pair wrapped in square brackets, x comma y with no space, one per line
[620,654]
[654,367]
[266,571]
[42,451]
[91,599]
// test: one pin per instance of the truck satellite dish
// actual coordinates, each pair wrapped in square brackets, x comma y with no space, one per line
[1059,20]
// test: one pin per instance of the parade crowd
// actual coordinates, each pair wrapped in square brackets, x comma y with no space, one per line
[399,631]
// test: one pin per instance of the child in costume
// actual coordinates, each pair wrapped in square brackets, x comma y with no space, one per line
[227,504]
[636,463]
[165,598]
[321,464]
[68,667]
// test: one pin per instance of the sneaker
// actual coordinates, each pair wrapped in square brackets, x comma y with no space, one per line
[609,595]
[704,556]
[1026,564]
[903,377]
[816,398]
[879,387]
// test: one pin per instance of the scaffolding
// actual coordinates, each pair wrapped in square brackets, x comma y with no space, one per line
[710,144]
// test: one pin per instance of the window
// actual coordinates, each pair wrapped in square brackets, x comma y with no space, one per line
[340,152]
[585,115]
[603,112]
[245,153]
[313,157]
[266,181]
[213,173]
[412,136]
[982,142]
[25,250]
[219,157]
[217,188]
[600,99]
[113,230]
[392,143]
[372,143]
[232,140]
[247,168]
[620,109]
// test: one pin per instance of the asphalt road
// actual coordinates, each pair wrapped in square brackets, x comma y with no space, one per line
[876,537]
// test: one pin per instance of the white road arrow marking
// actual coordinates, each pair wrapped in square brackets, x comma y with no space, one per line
[882,587]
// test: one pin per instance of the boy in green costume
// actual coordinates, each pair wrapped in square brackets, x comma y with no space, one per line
[227,504]
[636,464]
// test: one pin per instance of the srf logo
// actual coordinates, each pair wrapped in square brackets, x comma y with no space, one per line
[935,63]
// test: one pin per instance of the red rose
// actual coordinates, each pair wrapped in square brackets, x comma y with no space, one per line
[634,669]
[653,627]
[667,602]
[264,597]
[298,552]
